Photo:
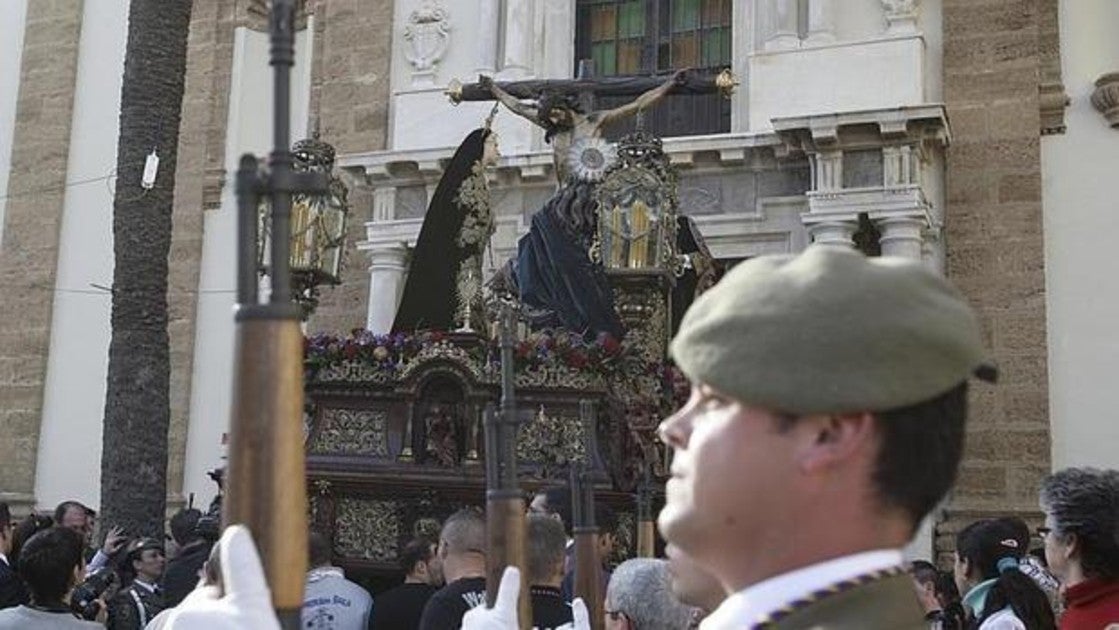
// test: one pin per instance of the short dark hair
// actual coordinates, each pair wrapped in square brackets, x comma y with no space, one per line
[545,542]
[559,503]
[5,515]
[923,571]
[1084,502]
[417,550]
[605,518]
[919,452]
[31,524]
[47,562]
[318,550]
[64,507]
[184,525]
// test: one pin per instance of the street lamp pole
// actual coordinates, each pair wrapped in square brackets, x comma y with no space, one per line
[265,487]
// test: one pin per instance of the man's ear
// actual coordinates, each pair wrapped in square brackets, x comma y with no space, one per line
[833,439]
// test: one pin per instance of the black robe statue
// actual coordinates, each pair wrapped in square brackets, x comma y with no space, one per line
[557,282]
[429,299]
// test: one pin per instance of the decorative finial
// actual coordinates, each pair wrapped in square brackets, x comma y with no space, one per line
[493,113]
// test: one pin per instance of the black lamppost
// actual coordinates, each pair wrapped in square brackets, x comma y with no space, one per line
[266,482]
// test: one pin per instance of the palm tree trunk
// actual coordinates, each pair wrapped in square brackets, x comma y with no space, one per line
[137,408]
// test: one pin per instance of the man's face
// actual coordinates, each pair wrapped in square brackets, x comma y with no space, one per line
[76,519]
[539,505]
[731,492]
[434,566]
[150,564]
[6,530]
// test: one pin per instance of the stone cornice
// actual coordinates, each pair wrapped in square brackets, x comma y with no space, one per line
[397,168]
[927,122]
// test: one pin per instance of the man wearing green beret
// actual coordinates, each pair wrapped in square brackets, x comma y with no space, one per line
[826,419]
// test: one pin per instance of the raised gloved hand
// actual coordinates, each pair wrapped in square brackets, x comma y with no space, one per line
[247,603]
[503,615]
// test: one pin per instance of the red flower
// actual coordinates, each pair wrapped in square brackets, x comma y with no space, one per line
[610,345]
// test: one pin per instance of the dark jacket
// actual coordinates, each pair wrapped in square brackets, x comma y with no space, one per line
[133,607]
[181,575]
[13,592]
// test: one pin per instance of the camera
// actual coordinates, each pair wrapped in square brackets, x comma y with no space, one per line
[84,598]
[209,525]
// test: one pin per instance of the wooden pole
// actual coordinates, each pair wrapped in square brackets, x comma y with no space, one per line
[646,527]
[505,504]
[588,565]
[266,481]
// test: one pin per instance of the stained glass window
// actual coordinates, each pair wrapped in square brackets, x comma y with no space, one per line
[644,37]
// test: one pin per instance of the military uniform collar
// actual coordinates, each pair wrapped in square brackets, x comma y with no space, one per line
[759,602]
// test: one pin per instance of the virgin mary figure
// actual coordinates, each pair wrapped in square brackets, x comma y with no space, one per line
[444,286]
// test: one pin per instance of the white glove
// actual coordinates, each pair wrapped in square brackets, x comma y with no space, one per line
[247,604]
[503,615]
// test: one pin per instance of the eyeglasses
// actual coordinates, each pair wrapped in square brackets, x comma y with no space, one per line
[614,615]
[1043,532]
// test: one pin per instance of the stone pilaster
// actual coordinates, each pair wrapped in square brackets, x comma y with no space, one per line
[350,97]
[995,253]
[782,25]
[29,252]
[821,21]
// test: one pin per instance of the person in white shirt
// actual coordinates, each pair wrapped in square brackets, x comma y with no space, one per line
[330,600]
[826,419]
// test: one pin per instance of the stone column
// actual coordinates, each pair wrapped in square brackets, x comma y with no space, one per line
[518,40]
[821,21]
[831,231]
[783,25]
[386,281]
[489,21]
[902,236]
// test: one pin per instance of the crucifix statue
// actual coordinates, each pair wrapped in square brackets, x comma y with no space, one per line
[557,283]
[564,108]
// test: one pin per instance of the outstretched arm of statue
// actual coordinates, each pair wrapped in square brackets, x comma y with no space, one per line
[517,107]
[645,101]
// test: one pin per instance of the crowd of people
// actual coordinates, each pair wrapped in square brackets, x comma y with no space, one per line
[821,429]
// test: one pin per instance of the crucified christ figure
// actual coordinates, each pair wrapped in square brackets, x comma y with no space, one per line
[563,122]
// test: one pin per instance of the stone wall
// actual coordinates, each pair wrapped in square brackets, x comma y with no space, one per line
[350,96]
[992,59]
[29,253]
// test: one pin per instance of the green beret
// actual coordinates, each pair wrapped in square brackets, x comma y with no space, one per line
[830,331]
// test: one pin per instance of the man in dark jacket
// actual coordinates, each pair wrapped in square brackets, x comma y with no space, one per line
[182,573]
[12,590]
[135,605]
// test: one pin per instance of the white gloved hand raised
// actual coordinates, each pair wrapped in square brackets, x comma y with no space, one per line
[503,615]
[247,603]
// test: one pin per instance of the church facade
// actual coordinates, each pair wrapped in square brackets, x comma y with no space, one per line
[971,136]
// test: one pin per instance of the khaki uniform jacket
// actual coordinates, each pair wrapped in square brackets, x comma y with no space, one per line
[887,604]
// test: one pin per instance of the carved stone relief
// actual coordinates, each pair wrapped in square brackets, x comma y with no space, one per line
[1106,97]
[351,432]
[367,529]
[426,37]
[901,15]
